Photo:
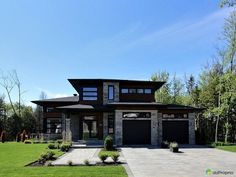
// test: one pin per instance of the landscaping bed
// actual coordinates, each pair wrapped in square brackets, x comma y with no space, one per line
[14,157]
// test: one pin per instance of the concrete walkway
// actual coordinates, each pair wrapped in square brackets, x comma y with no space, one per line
[77,156]
[191,162]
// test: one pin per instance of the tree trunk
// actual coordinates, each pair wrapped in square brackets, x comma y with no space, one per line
[216,132]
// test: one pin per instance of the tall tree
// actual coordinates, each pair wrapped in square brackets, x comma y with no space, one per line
[177,90]
[163,94]
[8,84]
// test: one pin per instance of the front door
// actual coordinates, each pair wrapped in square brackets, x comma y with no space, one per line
[89,128]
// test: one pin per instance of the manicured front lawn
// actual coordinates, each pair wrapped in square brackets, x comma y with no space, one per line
[14,156]
[227,148]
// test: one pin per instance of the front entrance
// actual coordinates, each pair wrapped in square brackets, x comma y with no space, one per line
[90,128]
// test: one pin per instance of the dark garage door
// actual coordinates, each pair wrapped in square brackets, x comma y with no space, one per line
[136,132]
[175,131]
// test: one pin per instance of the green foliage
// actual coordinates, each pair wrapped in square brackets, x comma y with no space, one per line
[52,146]
[174,147]
[115,157]
[65,147]
[108,143]
[228,3]
[28,141]
[103,157]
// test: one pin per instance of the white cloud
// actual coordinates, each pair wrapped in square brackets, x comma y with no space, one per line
[51,94]
[183,28]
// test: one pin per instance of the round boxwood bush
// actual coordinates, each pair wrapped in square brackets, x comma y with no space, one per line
[108,143]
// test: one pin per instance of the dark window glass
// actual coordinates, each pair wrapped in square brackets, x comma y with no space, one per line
[90,89]
[49,109]
[110,92]
[110,124]
[147,91]
[139,90]
[89,98]
[54,125]
[177,116]
[124,90]
[136,115]
[132,91]
[90,93]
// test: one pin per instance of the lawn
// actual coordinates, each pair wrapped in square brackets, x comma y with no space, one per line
[14,156]
[227,148]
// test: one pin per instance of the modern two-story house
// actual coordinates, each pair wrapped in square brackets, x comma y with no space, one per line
[124,109]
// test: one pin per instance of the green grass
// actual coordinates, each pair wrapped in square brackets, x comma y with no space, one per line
[227,148]
[14,156]
[109,153]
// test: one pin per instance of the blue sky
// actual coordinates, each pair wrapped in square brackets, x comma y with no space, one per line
[48,42]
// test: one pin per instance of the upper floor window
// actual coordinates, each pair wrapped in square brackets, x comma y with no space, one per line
[90,93]
[111,92]
[124,90]
[147,91]
[138,90]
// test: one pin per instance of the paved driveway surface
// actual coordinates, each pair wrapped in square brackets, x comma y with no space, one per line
[145,162]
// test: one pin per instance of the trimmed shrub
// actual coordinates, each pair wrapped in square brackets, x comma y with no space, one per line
[50,155]
[165,144]
[174,147]
[86,162]
[103,157]
[70,163]
[115,157]
[59,141]
[46,156]
[3,136]
[52,146]
[28,142]
[65,147]
[108,143]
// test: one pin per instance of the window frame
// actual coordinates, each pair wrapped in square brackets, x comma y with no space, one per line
[113,92]
[89,93]
[111,126]
[50,121]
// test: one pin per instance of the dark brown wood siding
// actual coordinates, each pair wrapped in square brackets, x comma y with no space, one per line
[137,97]
[100,94]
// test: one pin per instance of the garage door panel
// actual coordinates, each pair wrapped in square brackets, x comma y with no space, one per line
[175,131]
[136,132]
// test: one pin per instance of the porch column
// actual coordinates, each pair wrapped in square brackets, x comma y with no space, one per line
[66,128]
[118,127]
[154,126]
[191,126]
[159,119]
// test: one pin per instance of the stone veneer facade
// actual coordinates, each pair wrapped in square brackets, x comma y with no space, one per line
[105,92]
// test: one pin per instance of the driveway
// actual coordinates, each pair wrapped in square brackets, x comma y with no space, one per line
[145,162]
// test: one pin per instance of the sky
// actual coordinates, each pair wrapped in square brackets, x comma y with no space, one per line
[47,42]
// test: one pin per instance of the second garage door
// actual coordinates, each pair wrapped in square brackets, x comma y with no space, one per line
[175,131]
[136,132]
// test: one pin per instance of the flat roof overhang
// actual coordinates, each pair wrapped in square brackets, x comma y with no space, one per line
[83,107]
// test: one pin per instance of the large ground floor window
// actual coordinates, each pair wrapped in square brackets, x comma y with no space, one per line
[54,125]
